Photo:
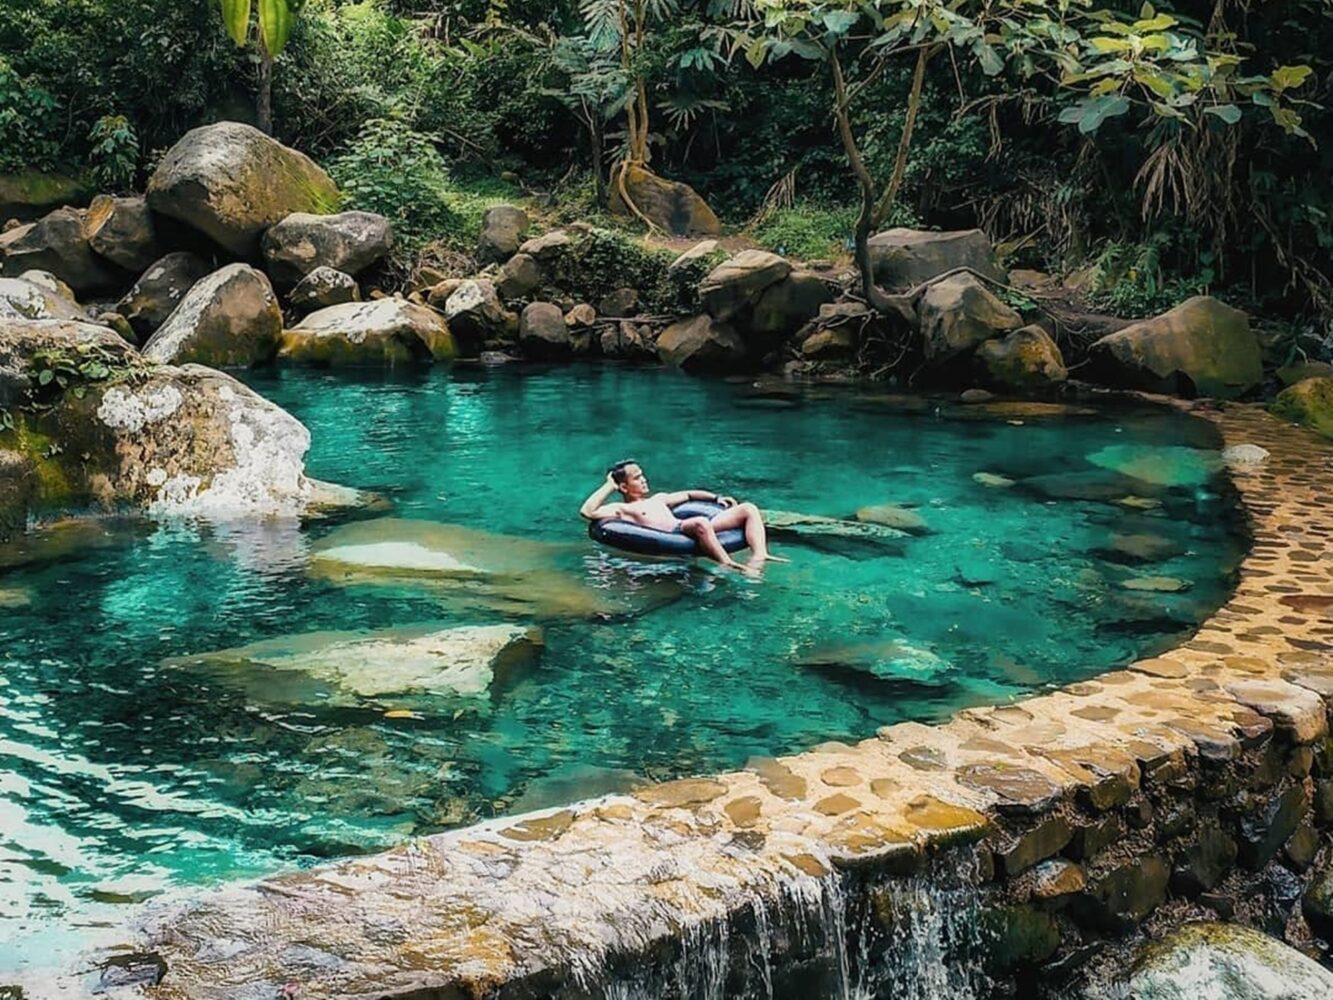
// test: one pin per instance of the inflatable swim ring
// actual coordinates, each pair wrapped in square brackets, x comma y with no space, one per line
[631,537]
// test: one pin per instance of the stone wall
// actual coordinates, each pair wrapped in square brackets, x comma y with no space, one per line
[1009,850]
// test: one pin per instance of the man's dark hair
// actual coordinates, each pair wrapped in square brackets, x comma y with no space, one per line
[617,471]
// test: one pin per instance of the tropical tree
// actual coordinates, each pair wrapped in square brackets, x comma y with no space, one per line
[273,27]
[595,90]
[1097,63]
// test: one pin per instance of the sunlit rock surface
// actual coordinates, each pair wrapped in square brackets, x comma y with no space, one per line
[348,668]
[1208,960]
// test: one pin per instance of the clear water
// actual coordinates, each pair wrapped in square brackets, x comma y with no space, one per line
[121,777]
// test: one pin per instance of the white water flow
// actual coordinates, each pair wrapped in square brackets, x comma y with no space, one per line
[843,937]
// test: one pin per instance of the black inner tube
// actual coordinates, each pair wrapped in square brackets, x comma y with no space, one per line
[630,537]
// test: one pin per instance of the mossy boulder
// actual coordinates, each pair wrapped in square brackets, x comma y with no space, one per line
[122,231]
[30,194]
[384,332]
[160,290]
[1308,402]
[231,182]
[302,242]
[903,258]
[1025,360]
[230,319]
[1206,960]
[785,307]
[670,205]
[958,313]
[1201,347]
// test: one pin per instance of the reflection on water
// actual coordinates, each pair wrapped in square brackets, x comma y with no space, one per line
[123,773]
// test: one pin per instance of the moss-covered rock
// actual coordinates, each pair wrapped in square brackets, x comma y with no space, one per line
[30,194]
[1201,347]
[1208,960]
[1308,402]
[231,182]
[383,332]
[672,206]
[1026,360]
[230,319]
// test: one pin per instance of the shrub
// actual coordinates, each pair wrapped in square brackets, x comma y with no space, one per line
[392,170]
[114,153]
[29,129]
[806,231]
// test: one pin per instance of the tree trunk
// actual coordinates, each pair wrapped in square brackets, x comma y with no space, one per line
[598,169]
[264,99]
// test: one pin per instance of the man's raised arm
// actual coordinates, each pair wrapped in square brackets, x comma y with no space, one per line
[595,508]
[683,495]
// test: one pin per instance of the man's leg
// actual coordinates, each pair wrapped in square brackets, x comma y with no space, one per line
[747,516]
[702,531]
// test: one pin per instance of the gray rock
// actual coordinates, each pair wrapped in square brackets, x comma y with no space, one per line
[542,332]
[736,284]
[1207,960]
[701,344]
[620,303]
[547,248]
[502,229]
[903,258]
[323,287]
[785,307]
[22,298]
[349,242]
[957,314]
[121,230]
[520,276]
[476,315]
[383,332]
[231,182]
[58,243]
[159,291]
[230,319]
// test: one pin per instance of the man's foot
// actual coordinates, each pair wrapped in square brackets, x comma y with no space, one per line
[770,557]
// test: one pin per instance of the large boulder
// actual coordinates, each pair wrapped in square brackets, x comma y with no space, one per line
[30,194]
[1308,402]
[1207,960]
[383,332]
[903,258]
[185,440]
[160,289]
[737,283]
[701,344]
[349,242]
[1027,359]
[1202,347]
[22,298]
[231,182]
[121,230]
[669,205]
[476,315]
[502,229]
[230,319]
[323,287]
[549,247]
[957,314]
[785,307]
[58,243]
[542,332]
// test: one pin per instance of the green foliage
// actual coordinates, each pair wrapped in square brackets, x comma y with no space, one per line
[807,231]
[601,261]
[1131,281]
[29,126]
[74,369]
[114,153]
[392,170]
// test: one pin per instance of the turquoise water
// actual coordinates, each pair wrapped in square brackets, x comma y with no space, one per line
[124,773]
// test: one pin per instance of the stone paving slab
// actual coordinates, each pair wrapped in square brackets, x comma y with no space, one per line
[534,900]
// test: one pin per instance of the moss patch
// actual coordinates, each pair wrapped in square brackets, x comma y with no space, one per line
[1308,402]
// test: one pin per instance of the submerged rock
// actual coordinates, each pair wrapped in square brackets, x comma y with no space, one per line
[1201,347]
[831,534]
[475,569]
[231,319]
[892,660]
[1166,465]
[1207,960]
[893,516]
[231,182]
[383,332]
[345,668]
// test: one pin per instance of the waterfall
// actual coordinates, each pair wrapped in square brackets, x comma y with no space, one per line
[842,937]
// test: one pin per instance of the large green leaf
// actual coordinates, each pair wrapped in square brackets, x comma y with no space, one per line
[1229,113]
[1286,77]
[236,19]
[275,24]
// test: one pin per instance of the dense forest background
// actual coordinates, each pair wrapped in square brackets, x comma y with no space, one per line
[421,107]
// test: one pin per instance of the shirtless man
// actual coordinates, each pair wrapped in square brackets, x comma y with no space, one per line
[654,511]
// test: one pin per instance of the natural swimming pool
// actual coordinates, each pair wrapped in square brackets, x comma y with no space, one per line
[128,766]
